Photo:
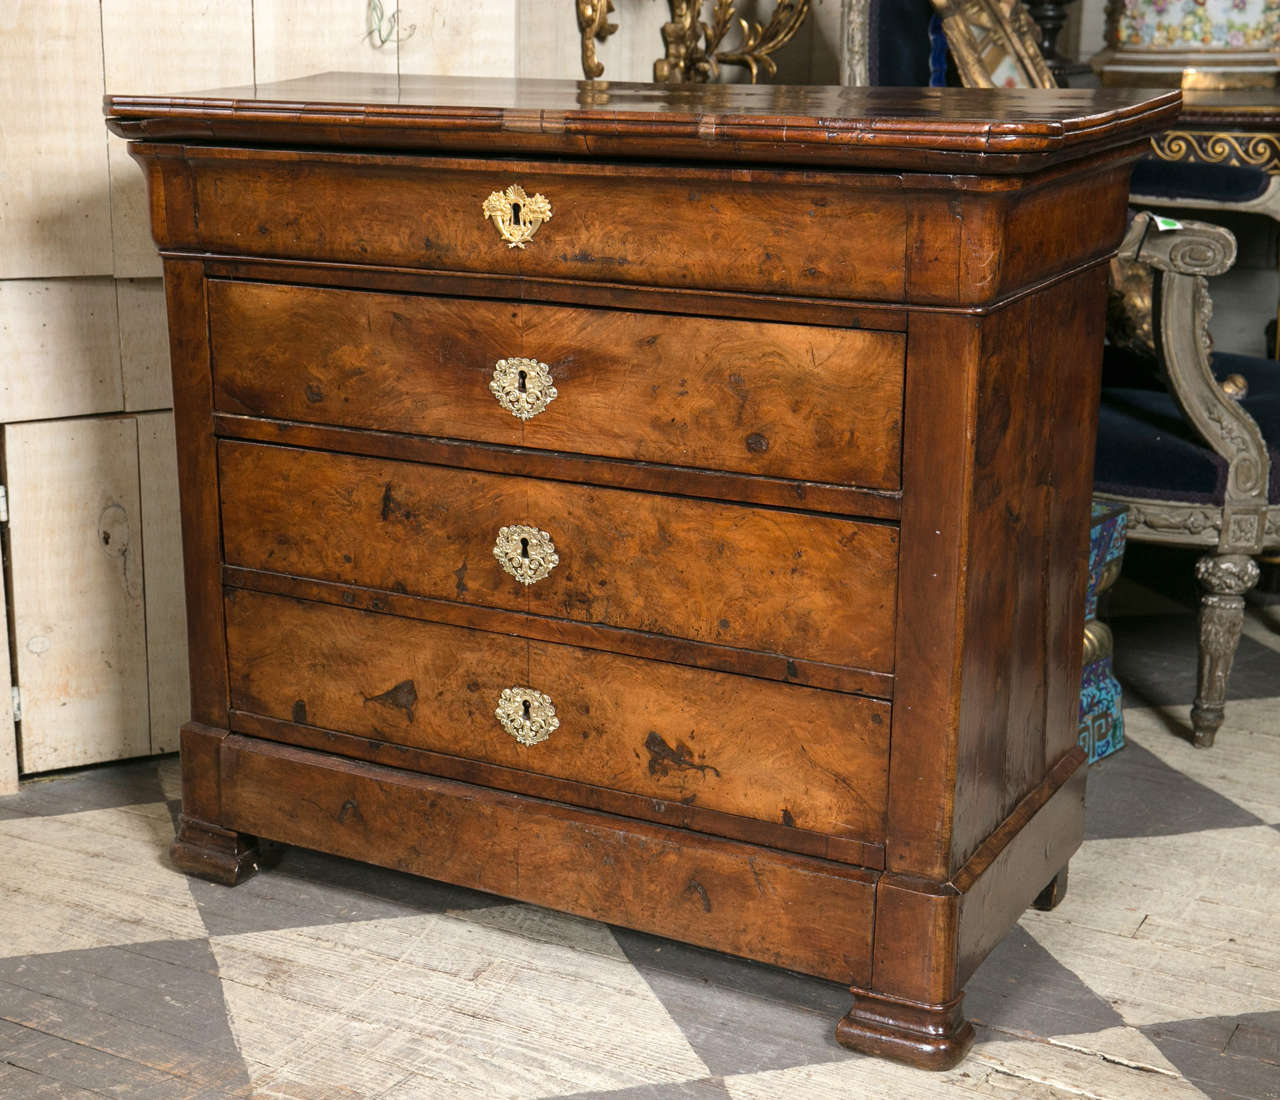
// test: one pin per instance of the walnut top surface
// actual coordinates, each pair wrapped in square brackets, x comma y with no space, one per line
[976,130]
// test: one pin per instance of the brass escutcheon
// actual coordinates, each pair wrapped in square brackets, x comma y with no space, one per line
[523,387]
[527,715]
[527,553]
[516,215]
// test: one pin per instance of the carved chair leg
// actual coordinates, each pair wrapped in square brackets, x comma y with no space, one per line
[1225,579]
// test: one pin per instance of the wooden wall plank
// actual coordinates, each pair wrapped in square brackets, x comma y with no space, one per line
[299,37]
[79,634]
[548,44]
[8,731]
[168,679]
[816,50]
[59,348]
[144,344]
[55,216]
[164,46]
[466,37]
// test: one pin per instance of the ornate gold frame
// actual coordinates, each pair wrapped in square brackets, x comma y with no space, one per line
[694,48]
[983,33]
[1244,148]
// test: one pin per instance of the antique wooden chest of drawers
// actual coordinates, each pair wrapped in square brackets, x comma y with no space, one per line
[669,505]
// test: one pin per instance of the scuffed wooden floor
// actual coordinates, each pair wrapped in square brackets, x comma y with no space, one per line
[1158,976]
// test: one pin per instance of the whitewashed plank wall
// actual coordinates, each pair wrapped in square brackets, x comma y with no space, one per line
[79,629]
[82,327]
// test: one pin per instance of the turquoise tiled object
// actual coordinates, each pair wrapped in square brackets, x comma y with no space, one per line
[1101,720]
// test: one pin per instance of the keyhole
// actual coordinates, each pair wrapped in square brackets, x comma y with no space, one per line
[515,213]
[527,712]
[520,381]
[524,553]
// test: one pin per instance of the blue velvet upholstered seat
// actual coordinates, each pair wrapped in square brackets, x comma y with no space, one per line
[1147,448]
[1217,183]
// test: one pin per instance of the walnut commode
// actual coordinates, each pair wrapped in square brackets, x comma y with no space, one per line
[668,505]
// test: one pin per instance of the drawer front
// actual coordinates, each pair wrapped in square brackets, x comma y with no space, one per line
[712,229]
[810,915]
[810,587]
[753,748]
[788,401]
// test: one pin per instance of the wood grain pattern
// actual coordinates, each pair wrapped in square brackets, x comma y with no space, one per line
[79,628]
[55,215]
[598,294]
[177,45]
[698,589]
[144,344]
[808,915]
[748,747]
[292,39]
[634,643]
[8,729]
[429,216]
[1033,844]
[59,349]
[938,419]
[987,131]
[168,677]
[993,550]
[467,38]
[1029,527]
[780,400]
[779,582]
[583,469]
[198,489]
[683,815]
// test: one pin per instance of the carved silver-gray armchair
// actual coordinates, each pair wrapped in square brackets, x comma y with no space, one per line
[1190,439]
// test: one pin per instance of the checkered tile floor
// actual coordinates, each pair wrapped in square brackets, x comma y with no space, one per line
[1159,976]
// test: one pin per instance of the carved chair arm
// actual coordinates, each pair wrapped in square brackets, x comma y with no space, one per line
[1197,248]
[1181,309]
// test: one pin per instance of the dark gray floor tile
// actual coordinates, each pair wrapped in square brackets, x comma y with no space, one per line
[1022,988]
[709,996]
[1168,570]
[75,1065]
[297,887]
[1134,793]
[156,1005]
[1257,1035]
[1214,1055]
[649,953]
[98,788]
[19,1083]
[708,1088]
[1155,662]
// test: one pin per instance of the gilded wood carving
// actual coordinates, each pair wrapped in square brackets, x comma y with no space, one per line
[696,48]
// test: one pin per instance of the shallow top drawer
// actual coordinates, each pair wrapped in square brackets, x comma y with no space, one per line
[786,401]
[710,228]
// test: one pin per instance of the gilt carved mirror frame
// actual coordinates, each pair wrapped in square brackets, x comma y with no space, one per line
[995,43]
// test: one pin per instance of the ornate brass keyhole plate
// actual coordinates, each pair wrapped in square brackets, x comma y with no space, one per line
[517,215]
[527,553]
[523,386]
[527,715]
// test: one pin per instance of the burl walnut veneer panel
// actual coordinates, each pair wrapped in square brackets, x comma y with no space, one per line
[823,404]
[818,760]
[801,681]
[725,574]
